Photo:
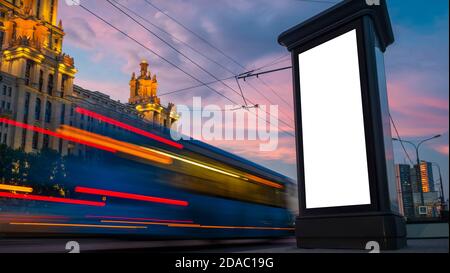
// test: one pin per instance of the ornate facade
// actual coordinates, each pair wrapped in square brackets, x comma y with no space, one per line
[143,96]
[36,83]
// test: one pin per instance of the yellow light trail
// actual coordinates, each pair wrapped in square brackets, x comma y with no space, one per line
[248,176]
[264,181]
[193,163]
[75,225]
[111,143]
[229,227]
[15,188]
[197,225]
[151,154]
[135,222]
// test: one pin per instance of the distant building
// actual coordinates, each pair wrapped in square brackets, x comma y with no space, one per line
[143,97]
[37,84]
[425,179]
[431,202]
[404,183]
[410,182]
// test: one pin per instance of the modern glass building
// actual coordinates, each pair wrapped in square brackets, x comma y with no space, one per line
[404,182]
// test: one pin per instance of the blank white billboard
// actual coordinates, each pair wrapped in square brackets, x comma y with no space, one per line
[334,147]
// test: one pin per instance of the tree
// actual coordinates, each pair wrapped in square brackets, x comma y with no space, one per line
[48,173]
[14,166]
[45,171]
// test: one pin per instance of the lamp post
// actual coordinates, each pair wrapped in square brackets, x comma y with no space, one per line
[441,186]
[417,147]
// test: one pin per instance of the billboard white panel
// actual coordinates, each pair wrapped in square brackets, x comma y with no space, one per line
[334,146]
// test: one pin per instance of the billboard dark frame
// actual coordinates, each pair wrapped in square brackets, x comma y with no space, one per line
[350,226]
[370,121]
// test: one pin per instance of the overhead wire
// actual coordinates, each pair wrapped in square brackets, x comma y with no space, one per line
[168,61]
[203,39]
[190,59]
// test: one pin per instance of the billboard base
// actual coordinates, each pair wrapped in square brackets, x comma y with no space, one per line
[352,231]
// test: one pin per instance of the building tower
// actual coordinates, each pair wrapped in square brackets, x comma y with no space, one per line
[405,190]
[31,43]
[143,96]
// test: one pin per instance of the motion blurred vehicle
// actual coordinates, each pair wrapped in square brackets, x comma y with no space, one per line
[123,180]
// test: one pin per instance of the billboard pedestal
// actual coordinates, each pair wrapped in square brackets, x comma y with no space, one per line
[351,231]
[348,194]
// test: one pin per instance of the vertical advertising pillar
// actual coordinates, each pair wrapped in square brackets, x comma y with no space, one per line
[346,177]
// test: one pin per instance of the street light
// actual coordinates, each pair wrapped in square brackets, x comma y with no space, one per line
[416,147]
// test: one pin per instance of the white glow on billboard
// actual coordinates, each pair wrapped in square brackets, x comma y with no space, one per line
[335,161]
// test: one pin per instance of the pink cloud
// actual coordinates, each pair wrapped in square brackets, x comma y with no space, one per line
[415,106]
[443,149]
[285,152]
[416,112]
[96,85]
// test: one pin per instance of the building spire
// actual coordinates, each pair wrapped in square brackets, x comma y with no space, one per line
[144,68]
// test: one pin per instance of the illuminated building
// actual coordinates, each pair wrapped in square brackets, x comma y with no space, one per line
[37,76]
[37,84]
[410,185]
[143,96]
[426,176]
[423,179]
[128,146]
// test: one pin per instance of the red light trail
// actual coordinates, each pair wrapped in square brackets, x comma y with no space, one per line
[33,216]
[128,127]
[51,133]
[51,199]
[139,219]
[131,196]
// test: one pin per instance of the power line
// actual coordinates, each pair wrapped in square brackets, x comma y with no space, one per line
[199,37]
[212,82]
[188,58]
[163,58]
[192,32]
[273,62]
[264,96]
[240,89]
[251,74]
[175,38]
[152,51]
[193,87]
[246,75]
[400,139]
[276,93]
[171,46]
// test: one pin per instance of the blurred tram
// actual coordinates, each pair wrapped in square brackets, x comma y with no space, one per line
[141,182]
